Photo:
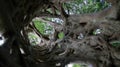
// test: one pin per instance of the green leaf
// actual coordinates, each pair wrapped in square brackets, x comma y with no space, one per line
[61,35]
[115,43]
[40,26]
[43,27]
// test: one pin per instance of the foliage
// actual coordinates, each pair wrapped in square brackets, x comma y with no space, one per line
[76,65]
[74,7]
[43,27]
[40,26]
[84,6]
[34,39]
[55,20]
[116,44]
[61,35]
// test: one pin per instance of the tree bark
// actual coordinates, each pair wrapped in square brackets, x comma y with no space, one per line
[80,43]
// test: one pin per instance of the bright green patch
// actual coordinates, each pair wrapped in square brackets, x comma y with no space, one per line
[40,26]
[43,27]
[76,65]
[61,35]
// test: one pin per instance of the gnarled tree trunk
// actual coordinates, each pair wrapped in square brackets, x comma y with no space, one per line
[78,44]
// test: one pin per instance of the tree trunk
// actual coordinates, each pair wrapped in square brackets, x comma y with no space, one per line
[80,43]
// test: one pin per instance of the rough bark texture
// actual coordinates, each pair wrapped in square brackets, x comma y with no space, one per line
[79,43]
